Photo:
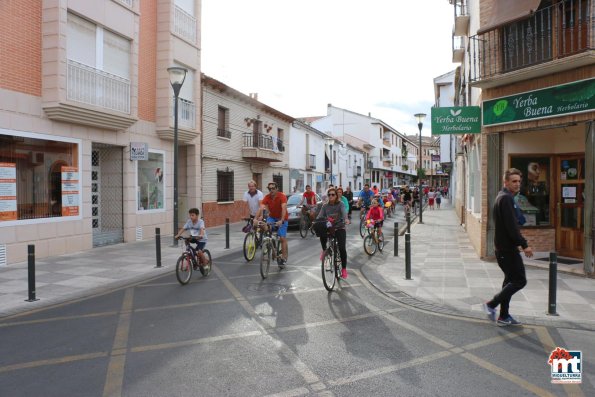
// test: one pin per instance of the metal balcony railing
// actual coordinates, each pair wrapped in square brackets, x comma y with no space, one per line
[311,161]
[262,141]
[186,113]
[127,2]
[96,87]
[184,25]
[222,132]
[557,31]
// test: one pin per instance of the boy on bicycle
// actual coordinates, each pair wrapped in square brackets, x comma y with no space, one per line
[376,215]
[198,233]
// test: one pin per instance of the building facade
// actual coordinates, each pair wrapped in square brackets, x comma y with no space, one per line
[307,157]
[243,140]
[85,92]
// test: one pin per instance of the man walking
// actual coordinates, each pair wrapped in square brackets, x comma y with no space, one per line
[508,242]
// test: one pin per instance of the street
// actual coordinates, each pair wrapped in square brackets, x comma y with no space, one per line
[233,333]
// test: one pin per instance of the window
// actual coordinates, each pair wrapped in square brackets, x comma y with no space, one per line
[39,178]
[224,186]
[223,122]
[534,196]
[150,182]
[281,137]
[278,179]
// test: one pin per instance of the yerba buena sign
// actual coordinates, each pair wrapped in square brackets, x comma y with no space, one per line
[456,120]
[577,97]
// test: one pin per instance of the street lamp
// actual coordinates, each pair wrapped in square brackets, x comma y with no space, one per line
[177,75]
[330,145]
[420,123]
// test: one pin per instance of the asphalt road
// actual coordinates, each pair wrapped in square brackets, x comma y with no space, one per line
[234,334]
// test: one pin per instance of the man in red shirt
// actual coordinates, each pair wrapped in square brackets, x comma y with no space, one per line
[309,200]
[276,205]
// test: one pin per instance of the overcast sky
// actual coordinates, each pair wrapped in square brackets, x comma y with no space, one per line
[377,56]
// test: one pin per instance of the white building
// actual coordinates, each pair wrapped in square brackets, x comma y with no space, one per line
[307,157]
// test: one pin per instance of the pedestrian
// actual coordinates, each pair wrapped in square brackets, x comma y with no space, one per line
[508,242]
[431,196]
[438,198]
[349,196]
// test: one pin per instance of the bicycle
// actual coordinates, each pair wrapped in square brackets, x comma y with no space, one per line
[189,260]
[305,222]
[362,220]
[331,261]
[374,240]
[271,247]
[252,240]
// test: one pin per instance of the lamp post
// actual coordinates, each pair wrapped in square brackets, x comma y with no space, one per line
[177,75]
[330,145]
[420,123]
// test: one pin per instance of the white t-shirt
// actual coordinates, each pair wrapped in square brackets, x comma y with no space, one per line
[194,228]
[253,201]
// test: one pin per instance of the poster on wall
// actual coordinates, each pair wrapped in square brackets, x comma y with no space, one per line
[534,196]
[70,191]
[8,192]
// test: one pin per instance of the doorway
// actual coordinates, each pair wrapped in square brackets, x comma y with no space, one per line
[569,205]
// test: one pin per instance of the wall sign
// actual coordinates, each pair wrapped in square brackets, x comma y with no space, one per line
[456,120]
[8,192]
[139,151]
[70,191]
[577,97]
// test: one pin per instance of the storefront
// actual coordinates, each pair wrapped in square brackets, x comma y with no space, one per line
[548,135]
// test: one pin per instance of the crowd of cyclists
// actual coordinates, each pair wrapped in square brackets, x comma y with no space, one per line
[332,214]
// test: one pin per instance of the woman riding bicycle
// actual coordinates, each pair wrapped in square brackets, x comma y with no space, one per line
[334,210]
[376,215]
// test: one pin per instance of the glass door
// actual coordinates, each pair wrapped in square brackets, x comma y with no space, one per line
[570,180]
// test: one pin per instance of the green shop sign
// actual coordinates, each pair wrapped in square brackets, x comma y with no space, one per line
[456,120]
[578,97]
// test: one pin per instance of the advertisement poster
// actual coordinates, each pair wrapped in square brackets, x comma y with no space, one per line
[70,191]
[8,192]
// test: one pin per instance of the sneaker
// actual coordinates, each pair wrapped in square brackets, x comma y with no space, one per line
[503,322]
[491,312]
[282,262]
[344,274]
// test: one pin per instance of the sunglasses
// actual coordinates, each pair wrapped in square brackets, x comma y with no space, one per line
[331,195]
[271,188]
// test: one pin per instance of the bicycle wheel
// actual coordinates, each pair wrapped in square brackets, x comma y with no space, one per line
[205,269]
[380,241]
[329,270]
[303,227]
[362,227]
[265,258]
[184,269]
[369,245]
[250,246]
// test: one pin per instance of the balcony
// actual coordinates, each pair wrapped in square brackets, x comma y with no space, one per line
[458,48]
[186,114]
[184,25]
[104,99]
[262,147]
[461,18]
[311,161]
[223,133]
[553,39]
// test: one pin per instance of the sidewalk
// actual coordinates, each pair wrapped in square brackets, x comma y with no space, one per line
[67,277]
[448,276]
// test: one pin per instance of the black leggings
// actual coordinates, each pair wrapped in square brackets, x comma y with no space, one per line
[341,236]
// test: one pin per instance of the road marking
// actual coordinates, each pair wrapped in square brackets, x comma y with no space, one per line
[191,342]
[53,361]
[62,318]
[291,393]
[183,305]
[507,375]
[496,339]
[115,369]
[549,345]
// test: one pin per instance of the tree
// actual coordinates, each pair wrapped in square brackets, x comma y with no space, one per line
[421,173]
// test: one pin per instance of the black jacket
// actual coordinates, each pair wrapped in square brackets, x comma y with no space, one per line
[348,196]
[508,235]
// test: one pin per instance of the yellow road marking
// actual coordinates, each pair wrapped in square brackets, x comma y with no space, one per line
[53,361]
[62,318]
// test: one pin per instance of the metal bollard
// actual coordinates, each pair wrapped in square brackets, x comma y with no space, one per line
[551,306]
[396,234]
[226,233]
[158,246]
[31,270]
[407,256]
[408,218]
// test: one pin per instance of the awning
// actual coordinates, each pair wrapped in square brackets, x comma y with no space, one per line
[507,11]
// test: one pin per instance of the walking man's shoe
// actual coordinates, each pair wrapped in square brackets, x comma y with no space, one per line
[491,312]
[503,322]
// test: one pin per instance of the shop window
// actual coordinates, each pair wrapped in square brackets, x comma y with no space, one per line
[39,178]
[534,196]
[150,182]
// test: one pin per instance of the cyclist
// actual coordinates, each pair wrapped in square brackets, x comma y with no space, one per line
[309,201]
[344,201]
[349,196]
[366,196]
[415,196]
[276,204]
[406,198]
[336,210]
[198,232]
[253,196]
[376,215]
